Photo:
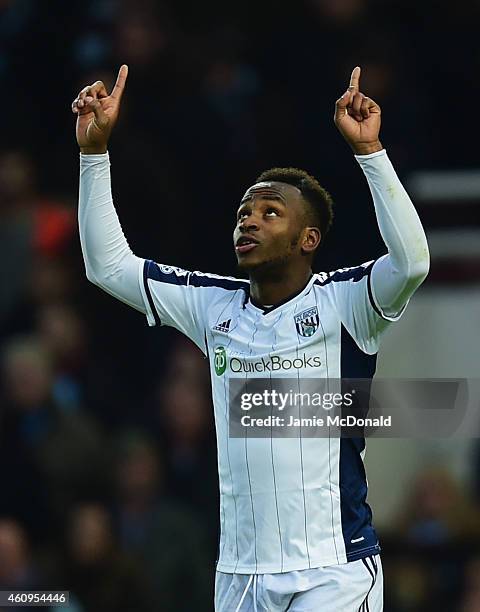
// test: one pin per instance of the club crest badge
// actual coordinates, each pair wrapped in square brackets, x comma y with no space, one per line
[307,322]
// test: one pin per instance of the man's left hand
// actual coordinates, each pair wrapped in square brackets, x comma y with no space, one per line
[358,118]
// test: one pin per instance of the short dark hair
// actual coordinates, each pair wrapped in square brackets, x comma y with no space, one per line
[319,201]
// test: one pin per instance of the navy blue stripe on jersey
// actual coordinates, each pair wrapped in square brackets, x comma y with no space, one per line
[370,294]
[354,363]
[197,279]
[146,266]
[177,276]
[356,513]
[355,274]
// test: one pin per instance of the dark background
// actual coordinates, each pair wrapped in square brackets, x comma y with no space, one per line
[107,447]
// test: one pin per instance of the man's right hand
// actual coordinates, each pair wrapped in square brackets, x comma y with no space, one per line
[97,113]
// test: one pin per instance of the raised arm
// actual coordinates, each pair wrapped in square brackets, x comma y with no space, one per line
[394,276]
[109,261]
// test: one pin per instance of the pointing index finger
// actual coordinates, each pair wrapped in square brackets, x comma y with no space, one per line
[119,86]
[355,78]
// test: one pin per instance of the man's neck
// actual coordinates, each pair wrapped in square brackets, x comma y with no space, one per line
[273,290]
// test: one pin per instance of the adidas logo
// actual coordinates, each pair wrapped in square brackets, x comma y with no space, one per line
[223,327]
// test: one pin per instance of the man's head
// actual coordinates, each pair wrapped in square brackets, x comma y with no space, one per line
[281,219]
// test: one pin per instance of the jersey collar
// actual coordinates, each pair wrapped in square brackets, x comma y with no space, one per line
[291,298]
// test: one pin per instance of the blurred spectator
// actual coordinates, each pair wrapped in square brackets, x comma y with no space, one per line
[30,226]
[52,223]
[64,335]
[17,568]
[408,588]
[185,415]
[16,229]
[437,531]
[163,535]
[99,576]
[472,591]
[231,88]
[438,512]
[139,484]
[141,36]
[58,440]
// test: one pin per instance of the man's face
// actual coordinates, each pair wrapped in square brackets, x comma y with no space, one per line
[270,223]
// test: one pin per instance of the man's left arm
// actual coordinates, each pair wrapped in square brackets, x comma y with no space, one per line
[396,275]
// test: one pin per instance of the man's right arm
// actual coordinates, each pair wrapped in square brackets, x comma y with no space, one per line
[167,295]
[109,261]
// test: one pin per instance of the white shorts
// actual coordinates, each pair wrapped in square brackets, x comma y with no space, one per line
[351,587]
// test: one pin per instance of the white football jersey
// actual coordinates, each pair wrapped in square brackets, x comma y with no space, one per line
[285,503]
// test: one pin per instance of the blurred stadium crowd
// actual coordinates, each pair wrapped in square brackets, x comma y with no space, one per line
[107,447]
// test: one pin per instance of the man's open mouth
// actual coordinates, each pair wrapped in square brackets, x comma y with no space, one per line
[246,244]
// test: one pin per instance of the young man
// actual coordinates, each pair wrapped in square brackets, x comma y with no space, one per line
[296,531]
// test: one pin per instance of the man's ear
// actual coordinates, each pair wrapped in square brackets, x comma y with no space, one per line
[311,239]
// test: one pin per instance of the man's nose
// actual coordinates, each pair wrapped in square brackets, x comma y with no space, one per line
[250,223]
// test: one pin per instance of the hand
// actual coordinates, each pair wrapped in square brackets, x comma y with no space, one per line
[358,118]
[97,113]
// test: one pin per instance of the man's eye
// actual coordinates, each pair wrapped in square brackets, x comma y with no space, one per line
[270,211]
